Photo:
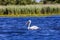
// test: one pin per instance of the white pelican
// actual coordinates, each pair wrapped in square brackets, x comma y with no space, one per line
[31,27]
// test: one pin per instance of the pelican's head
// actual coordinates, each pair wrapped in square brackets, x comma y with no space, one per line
[28,22]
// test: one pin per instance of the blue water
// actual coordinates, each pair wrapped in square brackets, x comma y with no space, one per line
[14,28]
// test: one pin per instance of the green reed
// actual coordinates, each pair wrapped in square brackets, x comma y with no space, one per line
[29,10]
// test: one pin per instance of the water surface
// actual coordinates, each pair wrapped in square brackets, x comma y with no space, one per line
[14,28]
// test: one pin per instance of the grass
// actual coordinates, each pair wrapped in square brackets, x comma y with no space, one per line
[29,10]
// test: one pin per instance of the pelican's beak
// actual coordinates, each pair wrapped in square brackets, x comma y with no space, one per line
[27,23]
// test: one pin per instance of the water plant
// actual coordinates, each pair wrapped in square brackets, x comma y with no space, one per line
[31,9]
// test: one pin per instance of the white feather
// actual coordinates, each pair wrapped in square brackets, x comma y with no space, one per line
[32,27]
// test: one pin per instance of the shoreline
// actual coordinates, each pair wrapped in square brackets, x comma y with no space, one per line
[30,15]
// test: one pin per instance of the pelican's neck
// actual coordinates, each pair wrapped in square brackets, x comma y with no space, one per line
[29,25]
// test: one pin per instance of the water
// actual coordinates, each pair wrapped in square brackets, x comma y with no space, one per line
[15,29]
